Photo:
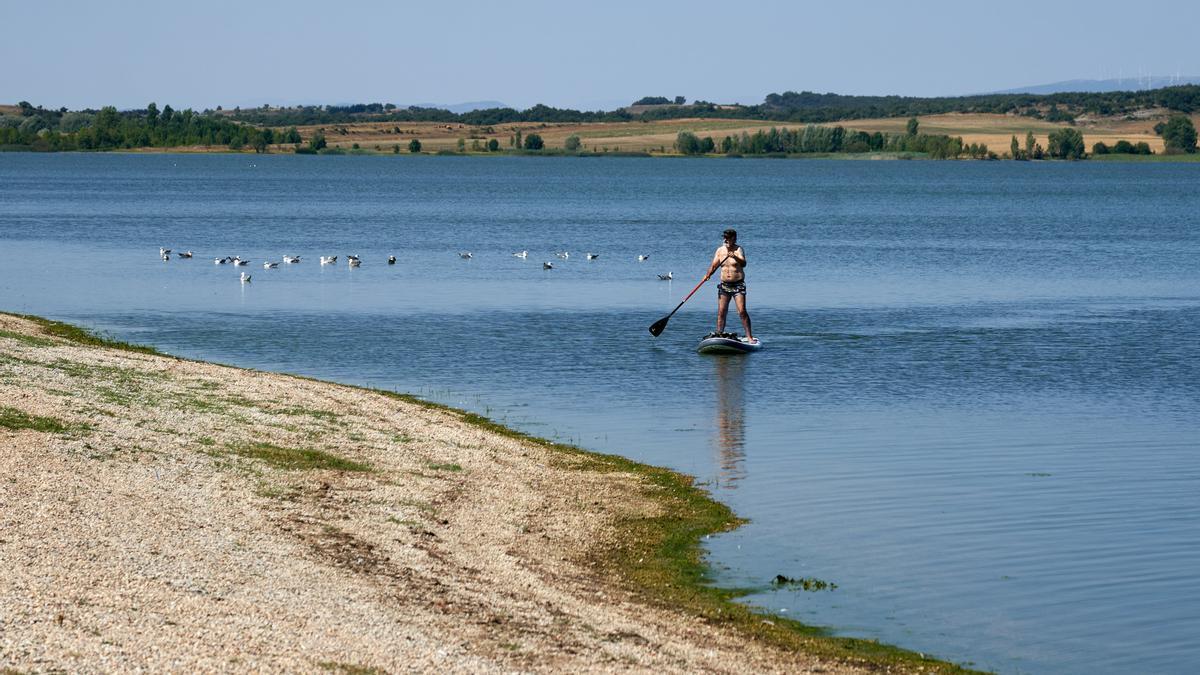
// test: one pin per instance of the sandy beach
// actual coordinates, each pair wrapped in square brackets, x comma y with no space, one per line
[170,515]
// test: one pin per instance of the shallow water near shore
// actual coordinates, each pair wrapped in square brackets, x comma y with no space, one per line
[977,410]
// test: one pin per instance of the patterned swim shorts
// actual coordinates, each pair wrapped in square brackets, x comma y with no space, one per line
[731,288]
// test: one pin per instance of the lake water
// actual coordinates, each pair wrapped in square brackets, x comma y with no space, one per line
[977,412]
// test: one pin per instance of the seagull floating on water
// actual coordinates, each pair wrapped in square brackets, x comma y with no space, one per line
[270,265]
[220,261]
[163,251]
[563,254]
[291,259]
[643,258]
[328,260]
[465,255]
[593,256]
[667,277]
[522,255]
[185,254]
[391,260]
[239,261]
[245,278]
[354,260]
[547,266]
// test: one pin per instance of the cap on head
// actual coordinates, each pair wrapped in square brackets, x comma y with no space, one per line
[729,234]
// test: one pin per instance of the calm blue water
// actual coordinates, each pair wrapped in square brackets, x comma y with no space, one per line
[978,411]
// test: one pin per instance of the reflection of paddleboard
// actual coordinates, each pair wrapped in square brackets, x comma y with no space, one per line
[728,345]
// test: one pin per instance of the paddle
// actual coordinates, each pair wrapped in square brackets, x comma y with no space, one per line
[659,326]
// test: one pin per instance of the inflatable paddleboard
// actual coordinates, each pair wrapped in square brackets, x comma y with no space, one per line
[727,344]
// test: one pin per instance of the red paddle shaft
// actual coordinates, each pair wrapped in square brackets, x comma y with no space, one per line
[659,325]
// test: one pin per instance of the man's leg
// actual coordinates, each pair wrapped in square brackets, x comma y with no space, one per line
[722,309]
[741,308]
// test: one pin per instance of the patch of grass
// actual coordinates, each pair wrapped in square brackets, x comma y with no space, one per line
[297,411]
[444,467]
[296,459]
[31,340]
[85,337]
[16,420]
[1125,157]
[350,668]
[202,404]
[205,440]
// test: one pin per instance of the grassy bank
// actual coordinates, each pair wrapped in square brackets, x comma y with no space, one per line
[656,557]
[1147,159]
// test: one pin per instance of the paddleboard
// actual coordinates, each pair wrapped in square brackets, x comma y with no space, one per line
[728,345]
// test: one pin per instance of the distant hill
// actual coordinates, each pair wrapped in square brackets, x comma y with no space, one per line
[461,107]
[1096,86]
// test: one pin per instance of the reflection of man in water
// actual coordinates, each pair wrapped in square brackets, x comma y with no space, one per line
[731,418]
[731,258]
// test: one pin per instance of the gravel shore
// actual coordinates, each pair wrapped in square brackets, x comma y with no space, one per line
[170,515]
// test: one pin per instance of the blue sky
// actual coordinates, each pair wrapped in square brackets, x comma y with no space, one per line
[581,55]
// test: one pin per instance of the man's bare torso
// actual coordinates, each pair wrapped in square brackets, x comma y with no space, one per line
[731,269]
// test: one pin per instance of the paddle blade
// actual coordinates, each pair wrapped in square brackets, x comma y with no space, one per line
[659,326]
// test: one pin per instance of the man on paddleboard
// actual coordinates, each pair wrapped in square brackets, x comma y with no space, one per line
[731,259]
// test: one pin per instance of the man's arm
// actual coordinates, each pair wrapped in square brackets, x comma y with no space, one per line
[716,262]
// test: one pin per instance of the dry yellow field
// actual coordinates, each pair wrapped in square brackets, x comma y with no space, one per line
[996,131]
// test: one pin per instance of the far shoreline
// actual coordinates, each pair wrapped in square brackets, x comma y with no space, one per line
[1112,158]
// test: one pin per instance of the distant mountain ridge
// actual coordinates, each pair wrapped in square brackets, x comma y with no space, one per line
[465,107]
[1099,86]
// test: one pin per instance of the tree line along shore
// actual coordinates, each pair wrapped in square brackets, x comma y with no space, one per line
[1064,126]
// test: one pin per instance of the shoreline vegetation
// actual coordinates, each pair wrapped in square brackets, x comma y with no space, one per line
[1073,126]
[160,513]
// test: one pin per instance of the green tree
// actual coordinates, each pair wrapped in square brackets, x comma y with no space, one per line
[912,126]
[1030,142]
[414,146]
[1100,148]
[686,143]
[493,145]
[461,145]
[518,143]
[572,143]
[317,142]
[1066,144]
[1015,148]
[534,142]
[1179,134]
